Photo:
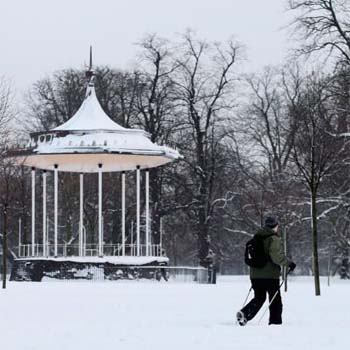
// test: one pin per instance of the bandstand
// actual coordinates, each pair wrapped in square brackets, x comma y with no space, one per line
[89,142]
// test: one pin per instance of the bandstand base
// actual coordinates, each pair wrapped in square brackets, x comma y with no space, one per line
[88,268]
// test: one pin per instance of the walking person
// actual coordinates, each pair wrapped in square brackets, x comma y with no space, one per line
[265,279]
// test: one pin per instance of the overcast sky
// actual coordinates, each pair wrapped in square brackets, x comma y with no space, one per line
[38,37]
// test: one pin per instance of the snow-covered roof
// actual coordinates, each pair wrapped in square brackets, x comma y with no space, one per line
[90,116]
[91,138]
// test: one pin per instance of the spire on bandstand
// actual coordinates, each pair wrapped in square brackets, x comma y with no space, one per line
[90,74]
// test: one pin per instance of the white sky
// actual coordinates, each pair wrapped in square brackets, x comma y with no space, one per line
[38,37]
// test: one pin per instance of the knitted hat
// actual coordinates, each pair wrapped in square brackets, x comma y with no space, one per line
[271,222]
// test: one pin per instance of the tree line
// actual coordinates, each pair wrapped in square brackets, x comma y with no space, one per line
[274,142]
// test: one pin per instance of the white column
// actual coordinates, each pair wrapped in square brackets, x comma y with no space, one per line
[47,235]
[44,215]
[161,235]
[138,211]
[19,236]
[132,238]
[147,212]
[55,209]
[33,211]
[100,228]
[84,241]
[81,220]
[123,213]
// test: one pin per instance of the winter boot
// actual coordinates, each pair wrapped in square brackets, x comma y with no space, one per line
[241,319]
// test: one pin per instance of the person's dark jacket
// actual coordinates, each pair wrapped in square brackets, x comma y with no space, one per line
[273,246]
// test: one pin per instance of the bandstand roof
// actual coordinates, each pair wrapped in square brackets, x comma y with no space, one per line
[89,138]
[90,115]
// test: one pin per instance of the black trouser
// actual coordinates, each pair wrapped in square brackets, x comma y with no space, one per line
[261,287]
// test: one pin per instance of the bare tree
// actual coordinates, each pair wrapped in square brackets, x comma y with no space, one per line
[323,25]
[6,110]
[262,146]
[266,121]
[337,211]
[6,169]
[316,152]
[8,182]
[54,100]
[203,94]
[155,111]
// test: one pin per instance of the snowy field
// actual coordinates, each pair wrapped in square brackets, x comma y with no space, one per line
[168,316]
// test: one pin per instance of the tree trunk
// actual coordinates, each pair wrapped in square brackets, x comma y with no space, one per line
[203,226]
[4,248]
[203,248]
[285,269]
[315,242]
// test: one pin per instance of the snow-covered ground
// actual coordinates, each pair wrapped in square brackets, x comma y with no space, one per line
[159,315]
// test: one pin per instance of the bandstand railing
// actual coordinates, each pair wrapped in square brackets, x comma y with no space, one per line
[72,250]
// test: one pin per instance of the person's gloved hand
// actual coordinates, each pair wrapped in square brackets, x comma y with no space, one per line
[292,266]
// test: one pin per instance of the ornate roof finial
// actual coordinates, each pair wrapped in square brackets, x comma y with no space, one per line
[90,72]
